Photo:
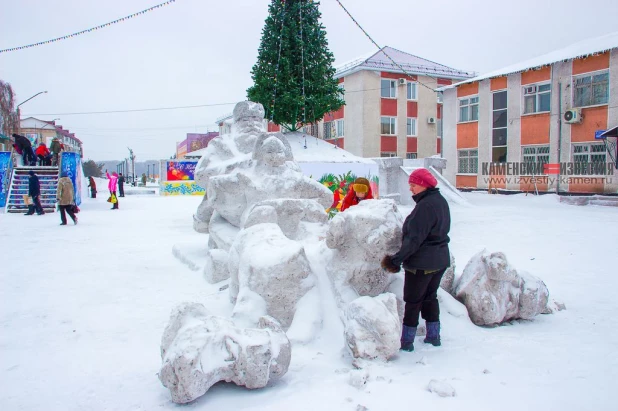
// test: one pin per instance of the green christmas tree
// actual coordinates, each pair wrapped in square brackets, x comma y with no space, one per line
[293,77]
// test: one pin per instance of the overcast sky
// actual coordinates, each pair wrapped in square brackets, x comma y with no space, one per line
[197,52]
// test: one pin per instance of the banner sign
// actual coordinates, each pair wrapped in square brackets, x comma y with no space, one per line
[6,166]
[181,170]
[72,165]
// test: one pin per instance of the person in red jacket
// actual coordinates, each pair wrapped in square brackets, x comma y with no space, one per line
[42,152]
[359,190]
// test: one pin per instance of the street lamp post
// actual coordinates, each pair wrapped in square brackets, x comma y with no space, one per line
[154,175]
[17,109]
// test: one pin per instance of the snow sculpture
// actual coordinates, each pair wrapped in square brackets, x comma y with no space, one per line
[372,327]
[494,292]
[361,236]
[228,152]
[269,274]
[199,350]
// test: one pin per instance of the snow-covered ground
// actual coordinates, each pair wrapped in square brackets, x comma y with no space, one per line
[83,308]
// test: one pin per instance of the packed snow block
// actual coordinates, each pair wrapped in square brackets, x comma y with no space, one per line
[199,350]
[273,268]
[222,233]
[215,269]
[494,292]
[446,283]
[202,217]
[227,196]
[361,236]
[372,327]
[288,214]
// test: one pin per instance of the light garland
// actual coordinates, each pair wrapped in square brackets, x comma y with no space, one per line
[88,30]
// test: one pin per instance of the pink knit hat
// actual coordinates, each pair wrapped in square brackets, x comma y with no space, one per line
[422,177]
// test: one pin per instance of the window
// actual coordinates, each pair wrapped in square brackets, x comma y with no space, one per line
[499,127]
[468,161]
[388,126]
[330,130]
[468,109]
[411,126]
[589,153]
[388,88]
[537,98]
[535,157]
[388,154]
[412,89]
[411,156]
[340,128]
[591,89]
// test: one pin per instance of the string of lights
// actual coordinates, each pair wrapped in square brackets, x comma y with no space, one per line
[68,36]
[383,51]
[132,110]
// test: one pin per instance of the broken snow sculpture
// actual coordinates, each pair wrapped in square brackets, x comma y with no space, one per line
[446,283]
[372,327]
[360,237]
[269,274]
[226,153]
[494,292]
[199,350]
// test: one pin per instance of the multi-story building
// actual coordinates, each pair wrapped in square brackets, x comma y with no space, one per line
[391,109]
[503,127]
[193,142]
[40,131]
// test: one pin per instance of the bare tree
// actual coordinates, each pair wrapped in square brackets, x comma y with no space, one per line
[8,116]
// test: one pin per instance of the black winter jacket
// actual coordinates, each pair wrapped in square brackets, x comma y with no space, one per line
[34,187]
[425,233]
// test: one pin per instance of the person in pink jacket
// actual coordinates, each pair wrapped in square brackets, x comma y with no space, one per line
[113,181]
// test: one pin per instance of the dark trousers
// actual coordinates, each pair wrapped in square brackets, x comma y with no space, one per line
[36,206]
[93,193]
[121,189]
[420,293]
[66,209]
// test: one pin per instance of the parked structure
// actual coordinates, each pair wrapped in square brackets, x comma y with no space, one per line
[389,113]
[503,127]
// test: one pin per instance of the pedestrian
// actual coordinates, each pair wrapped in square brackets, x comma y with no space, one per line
[34,191]
[93,187]
[425,256]
[358,191]
[55,148]
[120,185]
[65,194]
[111,185]
[23,144]
[144,178]
[43,154]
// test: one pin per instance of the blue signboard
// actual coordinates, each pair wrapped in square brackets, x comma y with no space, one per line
[597,134]
[72,165]
[6,166]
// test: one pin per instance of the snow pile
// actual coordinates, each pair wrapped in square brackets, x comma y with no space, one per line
[372,327]
[199,350]
[494,292]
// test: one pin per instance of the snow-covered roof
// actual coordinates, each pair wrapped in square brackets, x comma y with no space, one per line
[580,49]
[412,64]
[316,151]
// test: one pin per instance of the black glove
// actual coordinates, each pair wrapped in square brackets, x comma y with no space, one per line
[388,265]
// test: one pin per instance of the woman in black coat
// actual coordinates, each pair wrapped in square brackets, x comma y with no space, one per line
[425,257]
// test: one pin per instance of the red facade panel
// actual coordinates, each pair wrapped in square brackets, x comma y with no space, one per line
[388,107]
[411,144]
[388,143]
[384,74]
[412,109]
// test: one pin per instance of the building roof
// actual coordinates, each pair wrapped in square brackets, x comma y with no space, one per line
[412,64]
[578,50]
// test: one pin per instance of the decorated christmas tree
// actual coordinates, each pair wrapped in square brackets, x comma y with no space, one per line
[293,77]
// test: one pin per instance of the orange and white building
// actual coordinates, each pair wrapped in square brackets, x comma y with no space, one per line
[387,112]
[547,110]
